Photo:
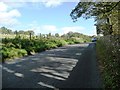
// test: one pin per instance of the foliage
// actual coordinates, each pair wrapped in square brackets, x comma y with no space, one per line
[73,41]
[4,30]
[16,47]
[105,14]
[108,56]
[73,37]
[57,35]
[8,53]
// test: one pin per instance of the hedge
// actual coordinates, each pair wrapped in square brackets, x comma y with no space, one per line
[108,54]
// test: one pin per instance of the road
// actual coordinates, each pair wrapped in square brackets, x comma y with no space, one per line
[72,66]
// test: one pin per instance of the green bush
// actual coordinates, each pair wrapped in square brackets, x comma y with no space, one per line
[60,42]
[8,53]
[70,41]
[50,45]
[4,52]
[22,52]
[76,41]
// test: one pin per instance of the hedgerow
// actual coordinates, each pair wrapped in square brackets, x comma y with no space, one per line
[108,56]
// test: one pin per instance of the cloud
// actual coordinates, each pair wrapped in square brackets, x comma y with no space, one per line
[44,29]
[3,7]
[49,28]
[40,0]
[79,29]
[8,17]
[72,28]
[46,3]
[52,3]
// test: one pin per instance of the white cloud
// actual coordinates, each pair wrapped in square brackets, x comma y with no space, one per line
[3,7]
[44,29]
[14,13]
[72,28]
[46,3]
[49,28]
[8,17]
[40,0]
[52,3]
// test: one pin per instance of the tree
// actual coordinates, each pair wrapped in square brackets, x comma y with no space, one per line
[4,30]
[30,31]
[56,35]
[21,32]
[100,11]
[70,34]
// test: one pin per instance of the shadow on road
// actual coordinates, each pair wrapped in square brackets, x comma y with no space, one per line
[57,68]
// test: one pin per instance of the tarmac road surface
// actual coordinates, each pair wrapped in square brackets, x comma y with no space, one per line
[72,66]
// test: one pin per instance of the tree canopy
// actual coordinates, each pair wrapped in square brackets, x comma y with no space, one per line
[4,30]
[105,14]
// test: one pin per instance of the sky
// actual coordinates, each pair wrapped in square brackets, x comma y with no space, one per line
[43,16]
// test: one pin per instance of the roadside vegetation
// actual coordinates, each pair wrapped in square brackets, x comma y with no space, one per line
[22,44]
[108,55]
[106,15]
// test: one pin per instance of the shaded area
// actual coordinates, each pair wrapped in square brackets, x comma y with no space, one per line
[86,73]
[67,66]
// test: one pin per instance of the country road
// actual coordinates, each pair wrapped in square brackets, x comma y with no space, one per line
[72,66]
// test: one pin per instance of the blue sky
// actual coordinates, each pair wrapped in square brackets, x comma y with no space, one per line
[43,17]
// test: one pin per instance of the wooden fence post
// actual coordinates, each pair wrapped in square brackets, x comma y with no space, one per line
[30,36]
